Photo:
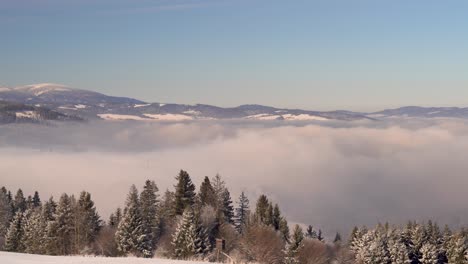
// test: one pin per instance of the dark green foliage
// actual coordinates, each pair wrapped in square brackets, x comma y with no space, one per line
[228,209]
[207,194]
[184,193]
[261,210]
[19,203]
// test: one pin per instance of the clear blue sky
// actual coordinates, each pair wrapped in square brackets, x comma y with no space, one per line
[314,54]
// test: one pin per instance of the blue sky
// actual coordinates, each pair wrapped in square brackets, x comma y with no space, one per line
[314,54]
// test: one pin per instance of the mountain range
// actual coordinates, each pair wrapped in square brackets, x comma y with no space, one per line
[54,102]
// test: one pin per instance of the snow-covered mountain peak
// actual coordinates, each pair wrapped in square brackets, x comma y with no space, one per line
[42,88]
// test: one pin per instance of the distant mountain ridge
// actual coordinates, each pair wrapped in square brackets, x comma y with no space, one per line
[90,105]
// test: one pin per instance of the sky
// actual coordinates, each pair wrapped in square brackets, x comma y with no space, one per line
[313,54]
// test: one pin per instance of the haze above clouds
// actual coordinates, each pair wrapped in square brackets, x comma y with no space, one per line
[331,175]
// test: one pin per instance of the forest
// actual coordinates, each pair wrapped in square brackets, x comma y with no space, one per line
[187,224]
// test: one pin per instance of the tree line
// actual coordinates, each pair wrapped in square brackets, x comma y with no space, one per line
[184,223]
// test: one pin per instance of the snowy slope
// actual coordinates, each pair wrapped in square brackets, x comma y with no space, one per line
[17,258]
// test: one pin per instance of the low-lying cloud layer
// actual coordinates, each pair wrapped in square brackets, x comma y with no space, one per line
[332,176]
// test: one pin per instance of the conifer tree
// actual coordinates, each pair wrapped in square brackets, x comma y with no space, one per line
[49,209]
[284,230]
[19,203]
[227,208]
[458,249]
[242,213]
[320,236]
[129,235]
[149,213]
[34,232]
[6,213]
[207,195]
[185,236]
[184,193]
[276,217]
[36,200]
[269,215]
[262,209]
[14,236]
[337,239]
[88,223]
[294,246]
[397,250]
[60,235]
[429,254]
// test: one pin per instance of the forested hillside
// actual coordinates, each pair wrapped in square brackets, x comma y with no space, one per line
[207,225]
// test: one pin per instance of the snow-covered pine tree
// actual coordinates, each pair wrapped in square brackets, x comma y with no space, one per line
[295,245]
[129,234]
[418,239]
[6,213]
[88,223]
[379,247]
[185,236]
[60,235]
[34,232]
[458,249]
[227,208]
[149,215]
[48,209]
[14,235]
[429,254]
[398,252]
[242,213]
[184,192]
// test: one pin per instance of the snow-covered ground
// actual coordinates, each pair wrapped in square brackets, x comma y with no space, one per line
[17,258]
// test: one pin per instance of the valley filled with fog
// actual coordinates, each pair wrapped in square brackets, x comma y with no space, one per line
[328,174]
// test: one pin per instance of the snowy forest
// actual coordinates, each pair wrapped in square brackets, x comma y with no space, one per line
[185,224]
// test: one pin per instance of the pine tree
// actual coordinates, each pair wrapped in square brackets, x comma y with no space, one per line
[14,236]
[19,203]
[36,200]
[294,246]
[320,236]
[269,215]
[185,236]
[6,213]
[276,217]
[337,239]
[242,213]
[458,249]
[34,232]
[284,230]
[184,193]
[49,209]
[261,210]
[149,213]
[60,235]
[129,235]
[429,254]
[227,208]
[207,195]
[397,249]
[114,218]
[88,223]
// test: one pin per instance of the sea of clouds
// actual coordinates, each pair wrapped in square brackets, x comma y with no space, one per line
[332,175]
